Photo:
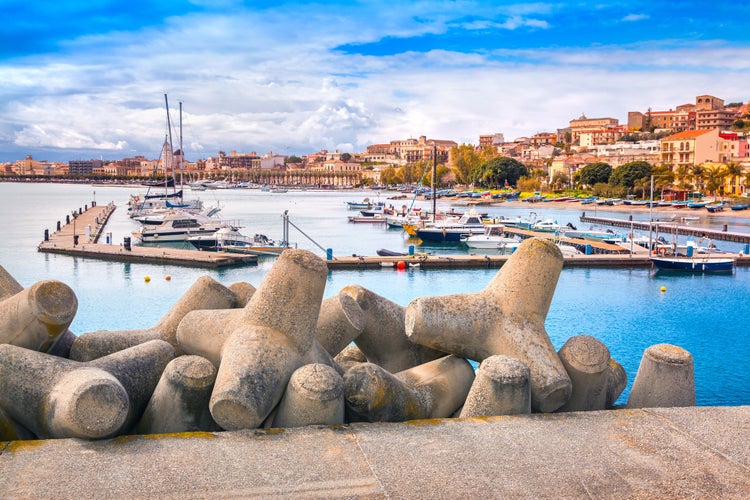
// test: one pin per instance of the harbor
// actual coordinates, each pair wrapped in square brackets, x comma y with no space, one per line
[81,234]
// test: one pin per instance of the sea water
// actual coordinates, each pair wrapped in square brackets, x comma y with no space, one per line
[624,308]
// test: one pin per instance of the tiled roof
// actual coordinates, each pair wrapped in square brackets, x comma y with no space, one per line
[688,134]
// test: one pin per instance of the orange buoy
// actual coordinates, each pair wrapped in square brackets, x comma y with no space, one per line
[167,277]
[401,265]
[147,278]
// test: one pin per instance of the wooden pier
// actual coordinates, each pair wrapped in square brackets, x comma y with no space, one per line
[670,227]
[80,235]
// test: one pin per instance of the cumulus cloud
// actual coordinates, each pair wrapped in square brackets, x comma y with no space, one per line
[278,79]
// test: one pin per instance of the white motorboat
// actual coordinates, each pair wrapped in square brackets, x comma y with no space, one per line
[230,239]
[179,227]
[548,226]
[492,238]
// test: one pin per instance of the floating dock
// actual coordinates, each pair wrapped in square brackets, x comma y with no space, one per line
[670,227]
[80,235]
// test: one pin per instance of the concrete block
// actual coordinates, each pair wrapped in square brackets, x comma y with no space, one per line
[501,387]
[383,339]
[616,383]
[205,293]
[340,321]
[431,390]
[59,398]
[665,378]
[507,318]
[350,356]
[180,401]
[36,316]
[138,369]
[586,360]
[313,396]
[243,292]
[276,334]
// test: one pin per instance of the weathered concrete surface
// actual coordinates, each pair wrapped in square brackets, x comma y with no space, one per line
[698,452]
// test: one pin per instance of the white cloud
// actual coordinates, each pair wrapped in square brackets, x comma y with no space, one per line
[635,17]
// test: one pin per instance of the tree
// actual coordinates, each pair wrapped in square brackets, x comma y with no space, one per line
[734,171]
[627,174]
[466,158]
[346,157]
[293,159]
[595,172]
[497,171]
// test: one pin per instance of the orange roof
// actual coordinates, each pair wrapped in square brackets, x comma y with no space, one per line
[688,134]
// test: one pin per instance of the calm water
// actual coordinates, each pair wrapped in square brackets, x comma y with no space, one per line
[706,314]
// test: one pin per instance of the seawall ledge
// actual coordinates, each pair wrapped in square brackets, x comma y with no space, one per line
[644,453]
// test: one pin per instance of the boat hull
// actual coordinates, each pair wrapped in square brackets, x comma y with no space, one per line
[687,264]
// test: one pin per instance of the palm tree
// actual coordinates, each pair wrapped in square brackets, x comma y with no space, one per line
[698,173]
[715,179]
[734,172]
[682,173]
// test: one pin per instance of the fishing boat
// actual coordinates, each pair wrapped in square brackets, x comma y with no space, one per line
[739,206]
[715,207]
[693,264]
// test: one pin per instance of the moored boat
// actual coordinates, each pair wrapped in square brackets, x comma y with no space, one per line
[693,264]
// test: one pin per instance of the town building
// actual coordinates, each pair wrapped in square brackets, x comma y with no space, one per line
[693,147]
[582,125]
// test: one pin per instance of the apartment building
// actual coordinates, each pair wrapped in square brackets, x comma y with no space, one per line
[707,113]
[692,147]
[583,125]
[401,152]
[602,136]
[491,140]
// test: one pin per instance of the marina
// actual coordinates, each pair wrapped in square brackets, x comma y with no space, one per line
[621,305]
[80,237]
[671,227]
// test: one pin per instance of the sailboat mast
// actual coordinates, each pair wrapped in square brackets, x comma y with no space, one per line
[434,173]
[171,149]
[182,152]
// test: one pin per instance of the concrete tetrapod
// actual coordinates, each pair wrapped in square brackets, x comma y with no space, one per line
[501,387]
[205,293]
[432,390]
[59,346]
[340,321]
[507,317]
[383,339]
[275,335]
[350,356]
[586,360]
[203,333]
[180,401]
[36,316]
[243,292]
[138,369]
[664,379]
[314,396]
[617,381]
[59,398]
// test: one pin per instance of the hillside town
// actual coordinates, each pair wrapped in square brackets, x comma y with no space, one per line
[707,135]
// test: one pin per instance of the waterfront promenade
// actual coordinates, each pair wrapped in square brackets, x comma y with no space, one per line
[697,452]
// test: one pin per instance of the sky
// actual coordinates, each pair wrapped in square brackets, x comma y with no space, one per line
[86,79]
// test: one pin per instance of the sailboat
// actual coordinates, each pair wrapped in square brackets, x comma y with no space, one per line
[160,203]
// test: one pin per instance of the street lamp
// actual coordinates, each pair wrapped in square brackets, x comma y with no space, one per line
[75,237]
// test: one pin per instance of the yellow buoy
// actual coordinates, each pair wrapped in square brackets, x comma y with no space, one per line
[167,277]
[147,278]
[663,289]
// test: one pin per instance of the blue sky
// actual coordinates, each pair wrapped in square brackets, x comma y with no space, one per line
[86,79]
